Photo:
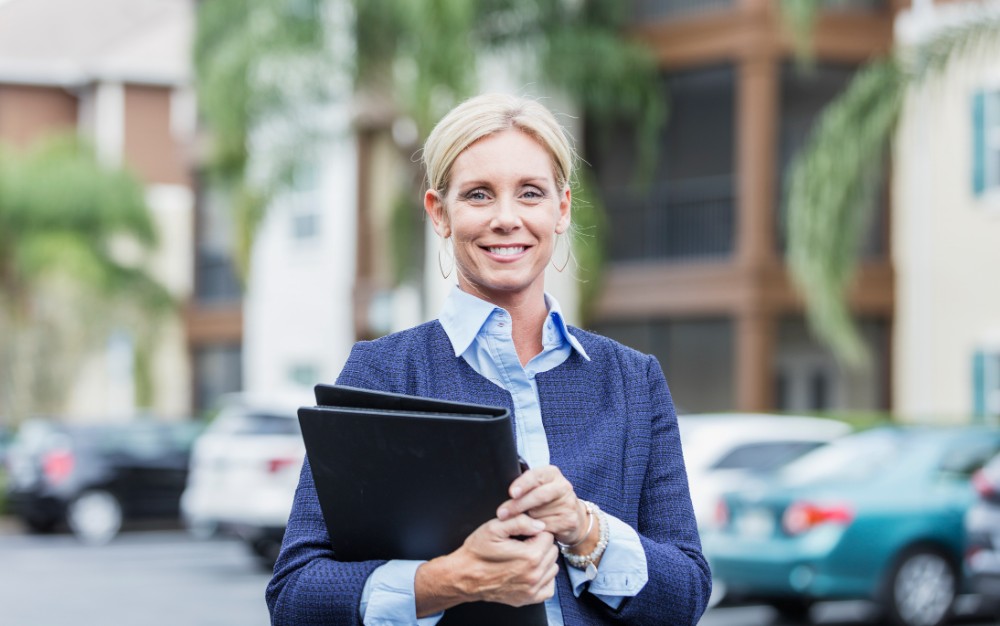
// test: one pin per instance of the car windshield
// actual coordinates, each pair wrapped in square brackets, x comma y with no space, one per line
[241,422]
[764,456]
[854,458]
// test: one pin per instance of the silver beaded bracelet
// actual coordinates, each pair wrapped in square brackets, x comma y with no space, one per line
[587,562]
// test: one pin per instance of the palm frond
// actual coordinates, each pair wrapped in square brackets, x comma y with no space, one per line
[832,181]
[830,198]
[968,37]
[800,16]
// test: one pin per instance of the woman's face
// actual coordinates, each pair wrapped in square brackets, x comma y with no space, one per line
[503,211]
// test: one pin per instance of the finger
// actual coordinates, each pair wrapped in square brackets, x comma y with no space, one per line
[519,526]
[544,499]
[532,479]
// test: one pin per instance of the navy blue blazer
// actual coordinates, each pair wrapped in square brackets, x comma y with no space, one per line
[611,429]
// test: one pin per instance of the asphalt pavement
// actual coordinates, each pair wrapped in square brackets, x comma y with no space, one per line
[168,578]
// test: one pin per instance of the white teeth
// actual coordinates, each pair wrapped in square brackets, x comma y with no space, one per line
[507,251]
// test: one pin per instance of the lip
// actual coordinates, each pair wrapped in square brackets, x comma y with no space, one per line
[506,258]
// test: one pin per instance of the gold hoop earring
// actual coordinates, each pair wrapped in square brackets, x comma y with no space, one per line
[569,253]
[445,274]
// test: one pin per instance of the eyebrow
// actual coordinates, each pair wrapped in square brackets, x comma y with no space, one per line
[536,181]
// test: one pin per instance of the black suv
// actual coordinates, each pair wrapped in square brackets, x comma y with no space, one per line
[95,478]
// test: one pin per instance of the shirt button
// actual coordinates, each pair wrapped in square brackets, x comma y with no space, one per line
[531,375]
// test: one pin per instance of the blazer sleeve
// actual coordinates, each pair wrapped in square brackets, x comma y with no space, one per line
[309,585]
[680,581]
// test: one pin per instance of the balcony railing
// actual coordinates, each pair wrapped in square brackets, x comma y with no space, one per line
[215,279]
[657,9]
[686,219]
[643,10]
[853,5]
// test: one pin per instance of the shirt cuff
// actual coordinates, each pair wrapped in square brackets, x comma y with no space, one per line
[388,598]
[622,572]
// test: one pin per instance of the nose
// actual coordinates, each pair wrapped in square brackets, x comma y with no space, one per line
[505,218]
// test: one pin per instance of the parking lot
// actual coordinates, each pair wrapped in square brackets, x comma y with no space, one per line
[165,578]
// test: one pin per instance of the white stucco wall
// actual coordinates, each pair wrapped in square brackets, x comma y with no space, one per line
[946,241]
[298,307]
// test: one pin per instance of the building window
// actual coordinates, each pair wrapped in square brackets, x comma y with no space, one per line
[304,202]
[986,383]
[218,370]
[687,212]
[304,374]
[216,281]
[696,357]
[986,142]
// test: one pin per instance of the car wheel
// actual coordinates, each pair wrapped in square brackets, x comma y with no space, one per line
[921,588]
[95,517]
[793,610]
[40,525]
[266,550]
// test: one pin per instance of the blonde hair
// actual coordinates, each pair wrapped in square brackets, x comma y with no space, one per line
[488,114]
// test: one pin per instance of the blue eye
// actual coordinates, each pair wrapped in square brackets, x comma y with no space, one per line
[477,194]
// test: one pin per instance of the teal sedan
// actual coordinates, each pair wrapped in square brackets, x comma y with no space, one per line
[876,515]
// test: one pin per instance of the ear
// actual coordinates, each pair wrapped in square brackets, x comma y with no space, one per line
[565,212]
[434,206]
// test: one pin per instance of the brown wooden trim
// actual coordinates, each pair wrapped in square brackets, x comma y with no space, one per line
[753,368]
[216,324]
[757,87]
[722,288]
[636,291]
[754,31]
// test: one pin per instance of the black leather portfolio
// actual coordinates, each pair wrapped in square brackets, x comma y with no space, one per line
[404,477]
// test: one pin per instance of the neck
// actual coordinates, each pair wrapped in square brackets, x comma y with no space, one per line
[527,317]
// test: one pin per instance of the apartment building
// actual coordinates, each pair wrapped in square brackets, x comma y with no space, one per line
[116,73]
[696,274]
[947,228]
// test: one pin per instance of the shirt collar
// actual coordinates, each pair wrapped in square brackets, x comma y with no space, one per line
[464,314]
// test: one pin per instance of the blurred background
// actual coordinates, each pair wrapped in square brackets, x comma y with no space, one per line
[793,204]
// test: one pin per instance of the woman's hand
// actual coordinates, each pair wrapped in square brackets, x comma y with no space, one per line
[512,561]
[544,494]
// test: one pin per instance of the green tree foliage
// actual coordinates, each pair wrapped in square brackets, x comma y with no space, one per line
[72,234]
[416,59]
[831,189]
[258,63]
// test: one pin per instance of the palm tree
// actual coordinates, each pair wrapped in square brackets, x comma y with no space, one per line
[417,59]
[832,181]
[67,226]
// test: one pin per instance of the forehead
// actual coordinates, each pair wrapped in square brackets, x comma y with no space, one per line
[507,153]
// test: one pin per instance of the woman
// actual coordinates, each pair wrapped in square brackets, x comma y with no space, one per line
[601,527]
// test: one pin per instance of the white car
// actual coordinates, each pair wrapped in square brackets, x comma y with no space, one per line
[722,449]
[243,474]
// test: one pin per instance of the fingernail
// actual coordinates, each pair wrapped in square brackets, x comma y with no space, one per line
[538,524]
[502,513]
[515,492]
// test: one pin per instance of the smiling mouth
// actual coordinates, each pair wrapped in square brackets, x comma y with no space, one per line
[506,250]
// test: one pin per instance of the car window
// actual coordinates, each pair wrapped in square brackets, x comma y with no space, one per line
[147,441]
[764,456]
[852,458]
[965,457]
[254,423]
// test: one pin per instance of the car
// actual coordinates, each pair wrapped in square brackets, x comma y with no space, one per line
[982,526]
[876,515]
[97,477]
[723,449]
[6,438]
[244,471]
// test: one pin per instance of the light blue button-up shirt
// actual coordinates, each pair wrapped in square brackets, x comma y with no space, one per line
[480,333]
